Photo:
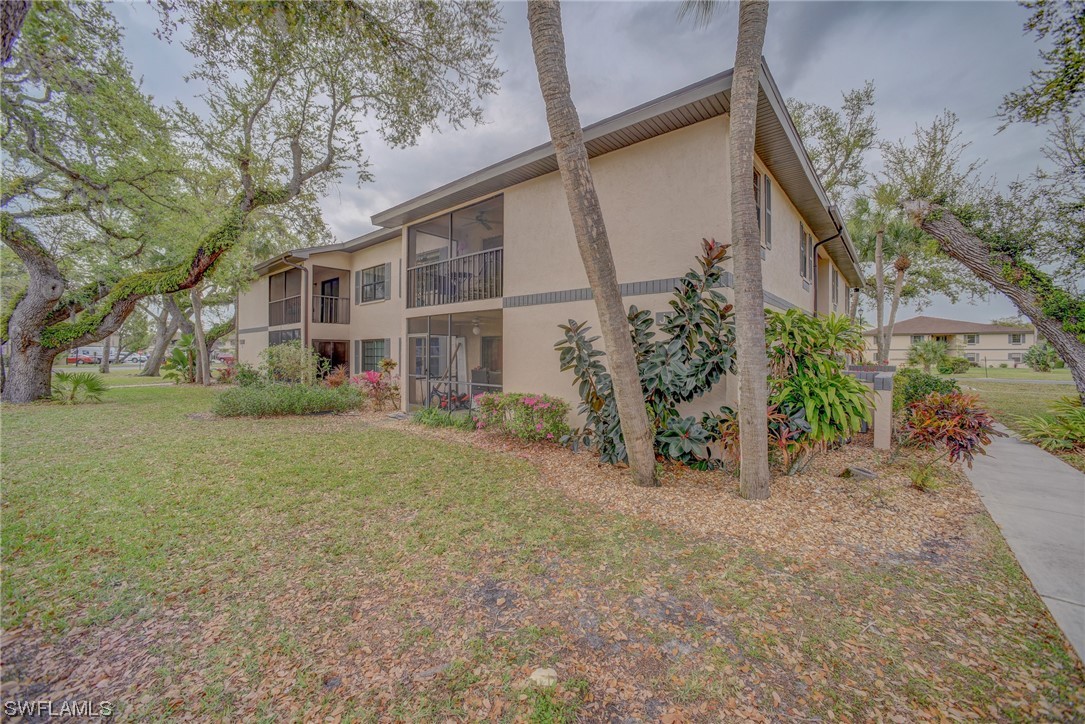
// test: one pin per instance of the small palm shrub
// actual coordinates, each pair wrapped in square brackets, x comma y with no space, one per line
[180,364]
[911,385]
[954,365]
[71,388]
[277,399]
[954,421]
[1062,429]
[927,354]
[526,416]
[1041,357]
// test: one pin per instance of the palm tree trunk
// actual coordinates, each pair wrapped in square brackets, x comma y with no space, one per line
[879,296]
[548,43]
[749,290]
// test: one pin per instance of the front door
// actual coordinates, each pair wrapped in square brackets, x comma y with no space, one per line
[334,351]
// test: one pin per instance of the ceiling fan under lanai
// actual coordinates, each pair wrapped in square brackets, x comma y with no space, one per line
[481,220]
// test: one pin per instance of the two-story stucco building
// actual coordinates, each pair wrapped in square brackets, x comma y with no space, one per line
[464,286]
[985,345]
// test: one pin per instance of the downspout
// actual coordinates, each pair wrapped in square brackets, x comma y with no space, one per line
[306,293]
[815,255]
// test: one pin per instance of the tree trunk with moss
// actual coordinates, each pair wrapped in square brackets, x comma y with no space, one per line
[548,43]
[1059,315]
[43,322]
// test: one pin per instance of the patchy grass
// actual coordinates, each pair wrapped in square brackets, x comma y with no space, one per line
[1013,373]
[302,568]
[1012,399]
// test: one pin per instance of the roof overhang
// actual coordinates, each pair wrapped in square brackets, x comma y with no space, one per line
[297,256]
[777,144]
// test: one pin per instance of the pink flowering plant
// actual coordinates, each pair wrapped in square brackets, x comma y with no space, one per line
[381,387]
[522,415]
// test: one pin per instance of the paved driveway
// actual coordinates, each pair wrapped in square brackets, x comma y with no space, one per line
[1038,502]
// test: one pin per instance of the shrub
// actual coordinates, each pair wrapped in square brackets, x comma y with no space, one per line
[1061,429]
[911,385]
[277,399]
[806,360]
[338,376]
[526,416]
[1042,357]
[293,363]
[696,350]
[437,417]
[382,388]
[225,375]
[954,366]
[245,375]
[71,388]
[953,420]
[787,436]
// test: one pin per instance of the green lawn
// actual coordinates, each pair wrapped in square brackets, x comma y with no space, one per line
[1009,400]
[331,567]
[1013,373]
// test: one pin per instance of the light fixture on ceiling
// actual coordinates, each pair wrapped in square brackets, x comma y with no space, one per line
[475,329]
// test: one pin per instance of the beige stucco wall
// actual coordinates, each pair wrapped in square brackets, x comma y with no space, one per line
[993,348]
[252,315]
[659,198]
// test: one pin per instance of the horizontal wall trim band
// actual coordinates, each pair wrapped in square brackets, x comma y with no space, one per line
[629,289]
[252,330]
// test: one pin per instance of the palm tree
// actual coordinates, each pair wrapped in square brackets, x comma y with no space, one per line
[548,43]
[928,353]
[746,239]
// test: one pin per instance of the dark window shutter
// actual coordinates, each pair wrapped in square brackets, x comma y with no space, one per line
[357,356]
[387,349]
[802,253]
[388,281]
[358,287]
[768,212]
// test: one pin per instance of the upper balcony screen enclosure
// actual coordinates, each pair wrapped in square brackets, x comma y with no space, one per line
[458,256]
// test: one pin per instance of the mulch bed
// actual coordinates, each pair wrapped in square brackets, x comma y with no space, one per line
[812,515]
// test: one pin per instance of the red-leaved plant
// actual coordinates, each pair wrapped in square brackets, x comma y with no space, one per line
[953,420]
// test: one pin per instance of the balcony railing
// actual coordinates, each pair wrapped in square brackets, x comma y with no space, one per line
[331,310]
[284,311]
[462,279]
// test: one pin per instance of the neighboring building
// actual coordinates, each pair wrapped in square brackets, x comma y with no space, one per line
[464,286]
[983,344]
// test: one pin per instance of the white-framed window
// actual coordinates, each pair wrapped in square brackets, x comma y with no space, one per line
[973,357]
[1016,357]
[371,284]
[971,339]
[368,354]
[1017,337]
[917,338]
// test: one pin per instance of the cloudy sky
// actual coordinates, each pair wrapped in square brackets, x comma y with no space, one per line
[922,56]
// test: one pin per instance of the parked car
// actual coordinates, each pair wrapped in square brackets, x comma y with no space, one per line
[137,358]
[82,359]
[227,359]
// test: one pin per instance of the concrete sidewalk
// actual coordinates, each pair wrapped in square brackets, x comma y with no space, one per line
[1038,502]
